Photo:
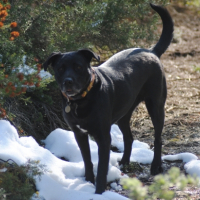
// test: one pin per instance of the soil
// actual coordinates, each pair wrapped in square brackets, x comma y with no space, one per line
[182,121]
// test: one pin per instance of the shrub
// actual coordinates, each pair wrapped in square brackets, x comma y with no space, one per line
[160,187]
[17,182]
[14,78]
[2,194]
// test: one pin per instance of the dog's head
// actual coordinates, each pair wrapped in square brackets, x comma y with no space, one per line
[72,70]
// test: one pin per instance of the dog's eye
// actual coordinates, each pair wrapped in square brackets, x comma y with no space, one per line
[78,67]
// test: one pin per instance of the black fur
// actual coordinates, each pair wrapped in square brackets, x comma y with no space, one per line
[121,83]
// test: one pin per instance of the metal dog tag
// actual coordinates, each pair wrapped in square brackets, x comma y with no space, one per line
[67,109]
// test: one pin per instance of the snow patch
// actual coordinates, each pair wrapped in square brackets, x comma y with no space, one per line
[193,167]
[185,157]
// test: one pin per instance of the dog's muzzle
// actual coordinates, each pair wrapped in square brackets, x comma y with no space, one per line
[68,87]
[68,82]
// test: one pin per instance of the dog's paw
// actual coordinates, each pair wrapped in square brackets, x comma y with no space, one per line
[90,178]
[123,162]
[99,190]
[156,169]
[100,184]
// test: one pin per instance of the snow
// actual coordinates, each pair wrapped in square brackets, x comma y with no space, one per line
[62,144]
[185,157]
[193,167]
[117,140]
[44,74]
[115,186]
[25,69]
[3,170]
[65,179]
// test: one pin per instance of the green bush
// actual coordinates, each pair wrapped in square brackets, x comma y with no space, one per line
[160,187]
[17,182]
[2,194]
[195,3]
[57,25]
[131,167]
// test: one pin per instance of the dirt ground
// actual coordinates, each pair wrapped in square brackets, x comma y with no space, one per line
[182,123]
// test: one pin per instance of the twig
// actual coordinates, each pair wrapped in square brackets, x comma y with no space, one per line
[7,161]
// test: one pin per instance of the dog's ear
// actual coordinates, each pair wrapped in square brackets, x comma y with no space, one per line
[51,60]
[89,54]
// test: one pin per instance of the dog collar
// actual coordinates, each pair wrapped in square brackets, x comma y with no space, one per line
[90,85]
[84,93]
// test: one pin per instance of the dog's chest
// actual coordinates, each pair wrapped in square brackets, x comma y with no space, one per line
[77,115]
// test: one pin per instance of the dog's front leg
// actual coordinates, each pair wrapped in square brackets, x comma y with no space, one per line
[83,143]
[103,141]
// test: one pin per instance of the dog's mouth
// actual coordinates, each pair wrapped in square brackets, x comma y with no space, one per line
[70,92]
[74,90]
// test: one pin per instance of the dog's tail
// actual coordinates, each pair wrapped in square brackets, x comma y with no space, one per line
[167,32]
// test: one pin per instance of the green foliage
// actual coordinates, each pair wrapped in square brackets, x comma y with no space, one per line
[2,194]
[195,3]
[196,68]
[137,190]
[132,167]
[160,187]
[56,25]
[192,3]
[15,76]
[17,182]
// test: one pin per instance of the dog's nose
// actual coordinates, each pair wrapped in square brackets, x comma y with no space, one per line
[68,81]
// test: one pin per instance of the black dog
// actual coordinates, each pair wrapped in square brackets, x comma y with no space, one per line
[94,99]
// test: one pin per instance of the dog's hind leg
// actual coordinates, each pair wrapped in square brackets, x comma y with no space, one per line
[155,107]
[124,126]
